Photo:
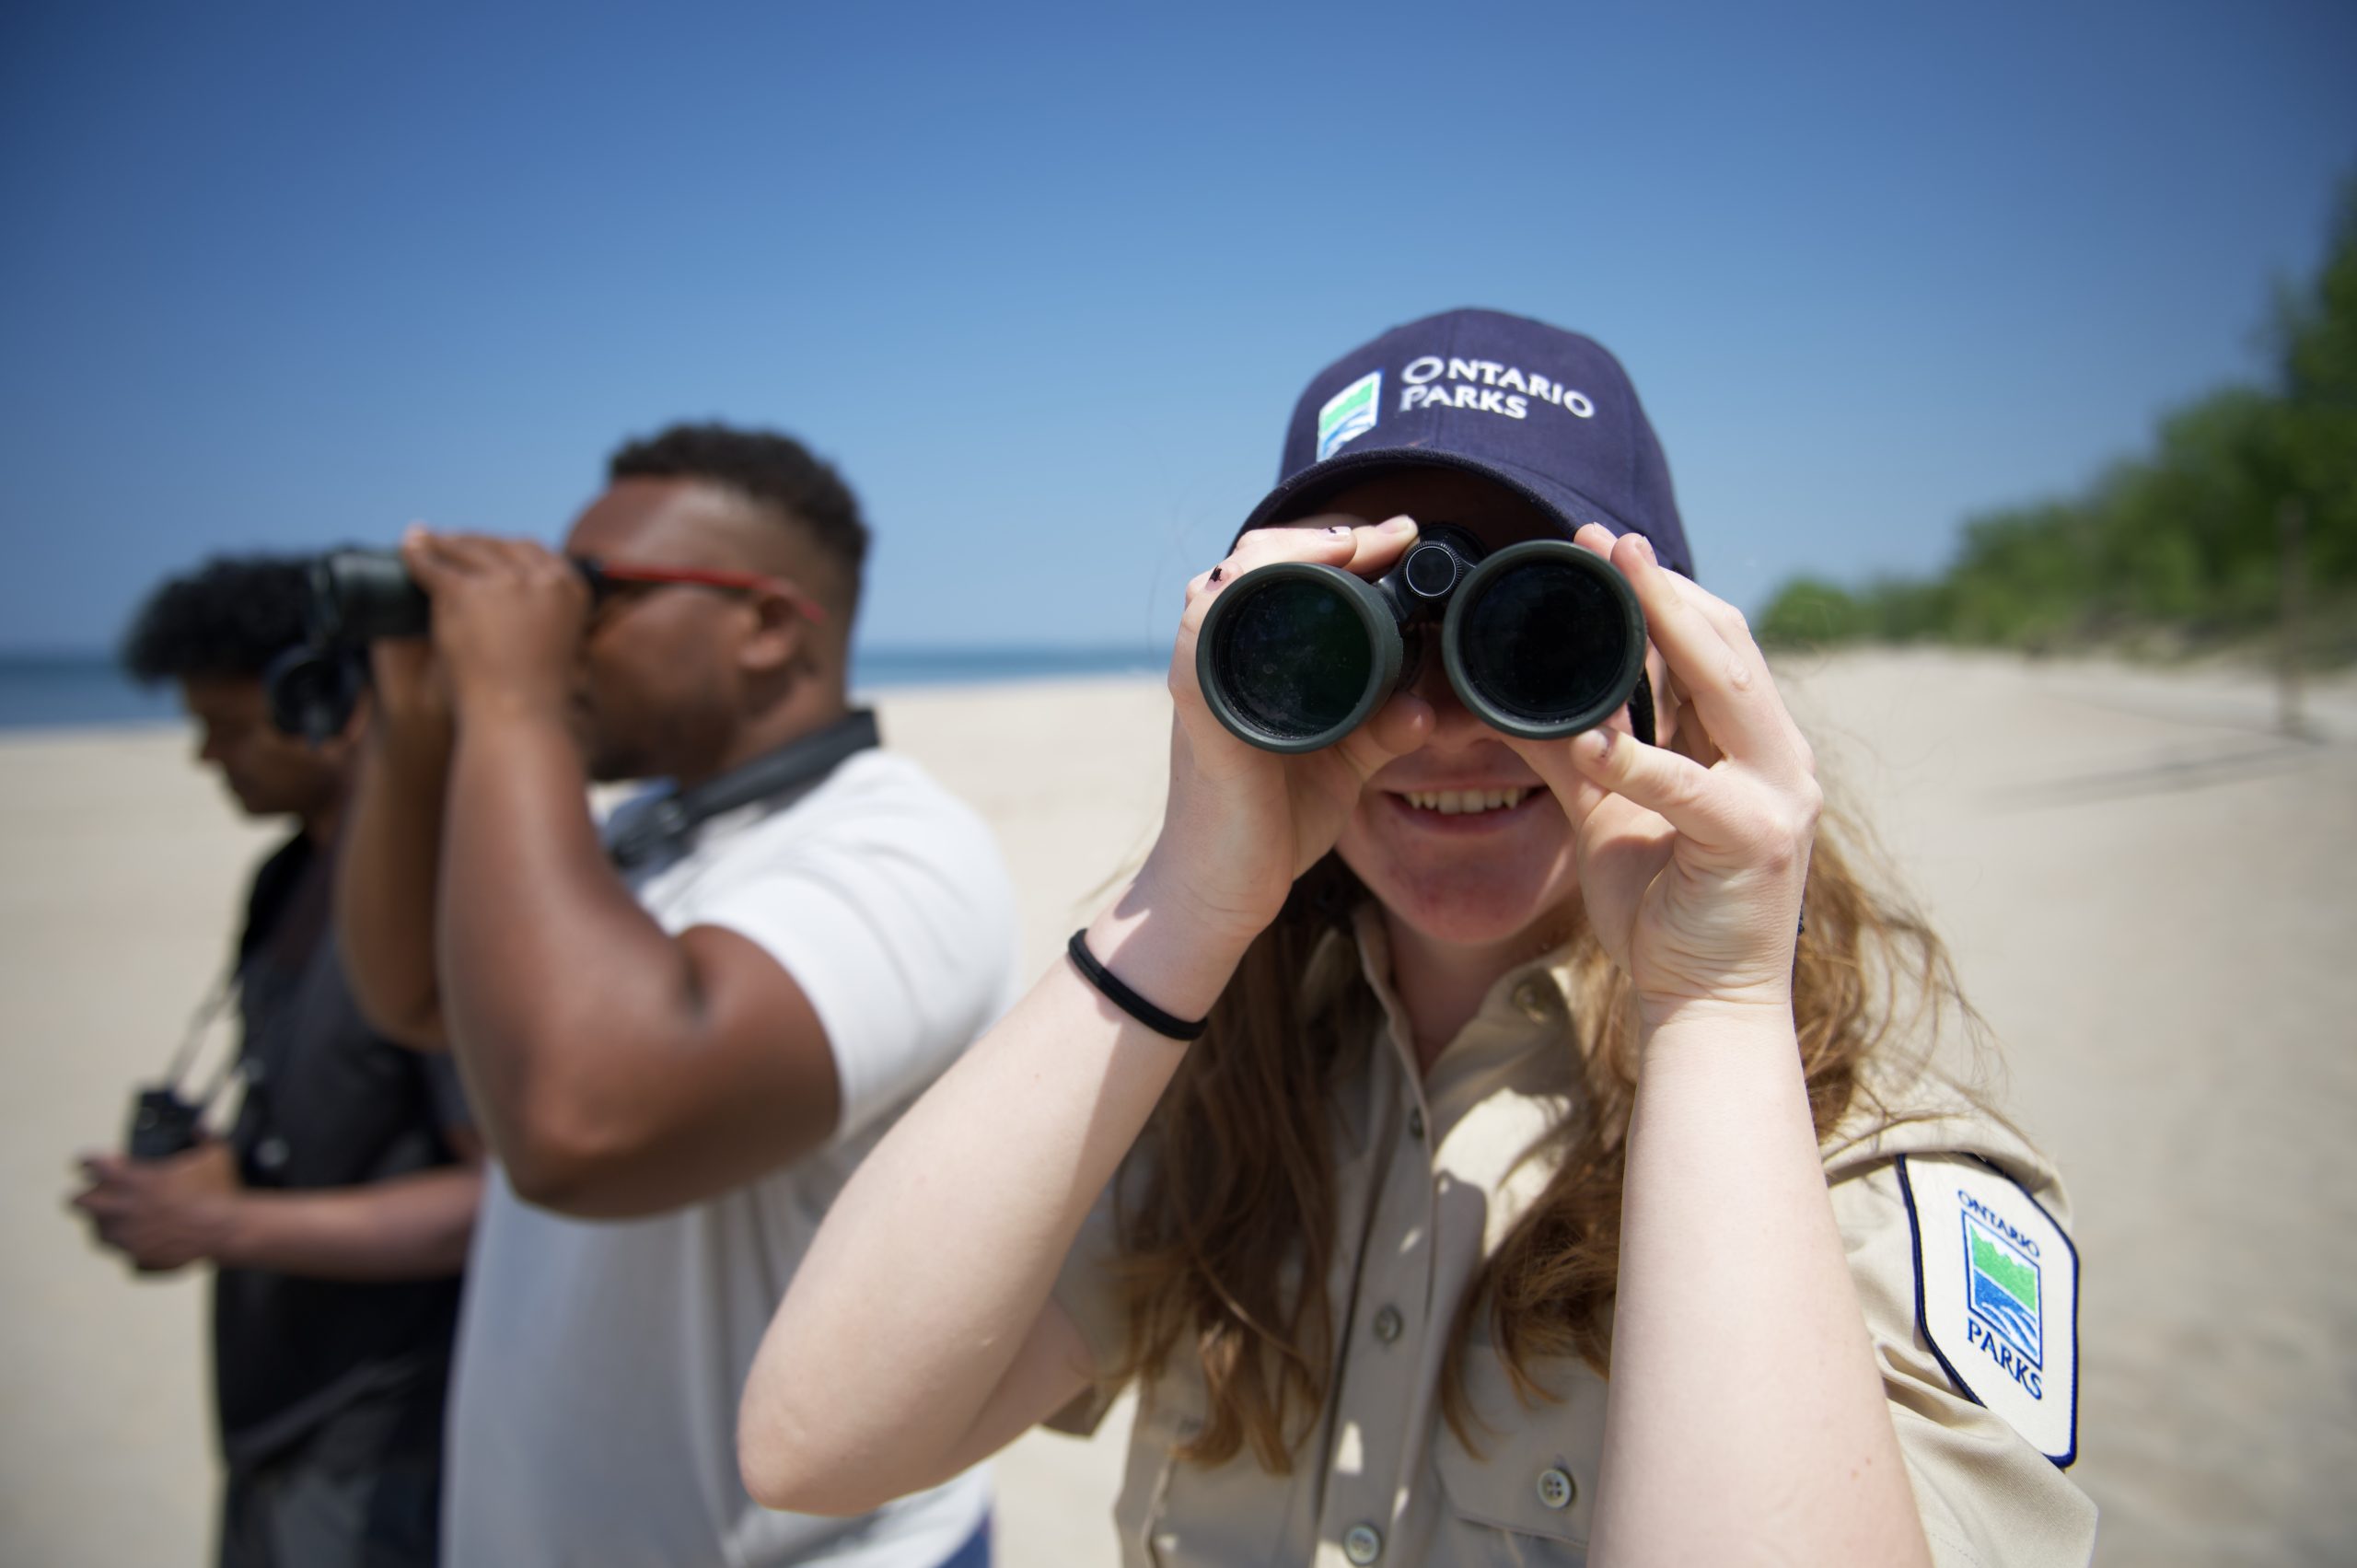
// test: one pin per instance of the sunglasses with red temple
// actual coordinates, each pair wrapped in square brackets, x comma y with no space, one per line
[610,580]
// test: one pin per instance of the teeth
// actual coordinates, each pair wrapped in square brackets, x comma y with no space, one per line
[1461,802]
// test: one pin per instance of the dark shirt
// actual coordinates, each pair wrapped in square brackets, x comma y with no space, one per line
[358,1366]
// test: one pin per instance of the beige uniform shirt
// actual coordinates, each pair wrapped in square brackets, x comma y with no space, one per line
[1427,1177]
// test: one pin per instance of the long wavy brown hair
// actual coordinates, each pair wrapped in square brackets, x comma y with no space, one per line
[1228,1236]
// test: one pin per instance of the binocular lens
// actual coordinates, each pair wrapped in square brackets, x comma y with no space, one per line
[1546,642]
[1294,659]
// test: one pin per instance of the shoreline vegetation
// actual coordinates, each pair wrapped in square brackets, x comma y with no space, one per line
[2234,534]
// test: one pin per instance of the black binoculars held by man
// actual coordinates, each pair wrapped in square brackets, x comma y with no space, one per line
[357,597]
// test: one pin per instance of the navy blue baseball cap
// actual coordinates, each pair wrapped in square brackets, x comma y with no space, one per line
[1549,414]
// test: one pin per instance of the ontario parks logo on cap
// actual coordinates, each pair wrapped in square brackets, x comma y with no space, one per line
[1349,412]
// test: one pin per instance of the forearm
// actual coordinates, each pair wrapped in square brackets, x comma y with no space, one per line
[1741,1369]
[871,1376]
[551,970]
[386,883]
[412,1227]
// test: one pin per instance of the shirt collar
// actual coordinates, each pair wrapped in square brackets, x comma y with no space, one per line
[1525,1009]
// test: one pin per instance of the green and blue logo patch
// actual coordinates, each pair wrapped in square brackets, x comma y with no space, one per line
[1349,412]
[2002,1285]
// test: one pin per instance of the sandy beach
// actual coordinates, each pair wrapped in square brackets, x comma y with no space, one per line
[2152,898]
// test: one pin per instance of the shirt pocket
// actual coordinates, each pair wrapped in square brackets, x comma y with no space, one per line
[1526,1493]
[1175,1513]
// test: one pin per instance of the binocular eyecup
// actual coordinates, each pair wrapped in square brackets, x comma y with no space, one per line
[1541,640]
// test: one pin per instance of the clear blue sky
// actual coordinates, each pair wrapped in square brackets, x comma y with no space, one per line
[1045,280]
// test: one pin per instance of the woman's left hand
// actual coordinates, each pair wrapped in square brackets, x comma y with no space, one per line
[1693,853]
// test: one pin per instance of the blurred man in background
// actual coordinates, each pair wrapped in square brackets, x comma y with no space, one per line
[337,1211]
[687,1025]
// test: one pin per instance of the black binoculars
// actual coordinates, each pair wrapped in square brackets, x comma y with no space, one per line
[355,597]
[1541,639]
[162,1124]
[352,598]
[359,595]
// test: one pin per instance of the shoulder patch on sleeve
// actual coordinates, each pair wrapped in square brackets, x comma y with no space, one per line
[1997,1295]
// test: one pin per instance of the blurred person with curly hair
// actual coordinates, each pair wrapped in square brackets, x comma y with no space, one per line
[336,1211]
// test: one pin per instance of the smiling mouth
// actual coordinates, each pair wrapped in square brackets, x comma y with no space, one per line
[1462,802]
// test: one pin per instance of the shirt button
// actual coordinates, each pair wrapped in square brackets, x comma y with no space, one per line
[1363,1545]
[1415,1124]
[271,1152]
[1387,1324]
[1536,998]
[1556,1489]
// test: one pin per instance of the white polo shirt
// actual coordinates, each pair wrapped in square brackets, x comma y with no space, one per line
[593,1418]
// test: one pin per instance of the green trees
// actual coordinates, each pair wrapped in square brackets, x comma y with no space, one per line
[2184,543]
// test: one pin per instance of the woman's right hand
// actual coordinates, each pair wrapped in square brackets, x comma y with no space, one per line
[1241,823]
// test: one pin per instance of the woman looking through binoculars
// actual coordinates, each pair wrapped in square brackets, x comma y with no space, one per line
[1541,1186]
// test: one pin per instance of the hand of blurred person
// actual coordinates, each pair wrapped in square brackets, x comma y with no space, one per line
[162,1214]
[508,616]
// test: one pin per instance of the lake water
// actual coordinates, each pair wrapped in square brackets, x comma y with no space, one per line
[72,690]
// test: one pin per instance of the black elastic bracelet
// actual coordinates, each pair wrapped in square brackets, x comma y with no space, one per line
[1122,997]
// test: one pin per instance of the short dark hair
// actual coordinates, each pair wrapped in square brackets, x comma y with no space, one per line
[228,618]
[772,470]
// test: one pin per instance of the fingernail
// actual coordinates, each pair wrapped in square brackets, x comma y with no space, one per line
[1337,528]
[1401,521]
[1594,745]
[1217,573]
[1647,546]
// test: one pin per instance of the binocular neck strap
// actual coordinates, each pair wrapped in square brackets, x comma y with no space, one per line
[216,1002]
[798,762]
